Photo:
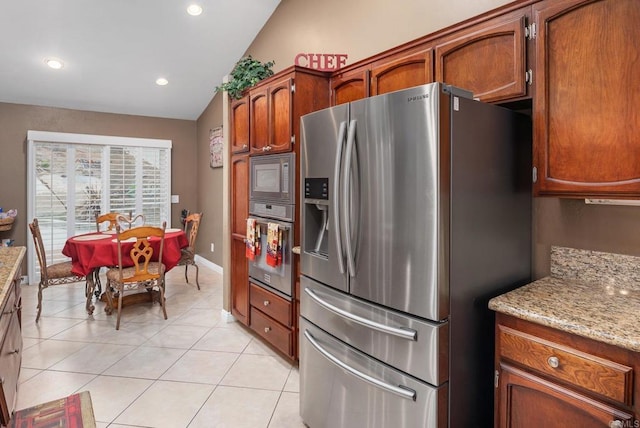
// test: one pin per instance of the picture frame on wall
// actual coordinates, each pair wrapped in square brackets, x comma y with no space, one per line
[215,147]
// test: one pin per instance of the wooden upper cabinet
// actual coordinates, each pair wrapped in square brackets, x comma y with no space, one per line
[350,85]
[259,119]
[271,123]
[402,70]
[280,116]
[488,59]
[586,122]
[239,119]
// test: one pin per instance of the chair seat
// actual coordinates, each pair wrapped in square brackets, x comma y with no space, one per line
[60,270]
[113,274]
[187,255]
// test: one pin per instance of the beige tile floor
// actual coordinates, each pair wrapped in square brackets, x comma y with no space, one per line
[191,370]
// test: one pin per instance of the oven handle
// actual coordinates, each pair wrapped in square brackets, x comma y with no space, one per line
[336,195]
[281,225]
[404,333]
[402,392]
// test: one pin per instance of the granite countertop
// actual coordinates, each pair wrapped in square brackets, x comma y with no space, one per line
[590,294]
[10,261]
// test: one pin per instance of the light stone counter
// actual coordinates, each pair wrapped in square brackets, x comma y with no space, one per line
[589,293]
[10,261]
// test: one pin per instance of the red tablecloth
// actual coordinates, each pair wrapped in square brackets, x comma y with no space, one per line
[94,250]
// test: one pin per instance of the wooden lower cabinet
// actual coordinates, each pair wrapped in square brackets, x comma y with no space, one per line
[10,331]
[272,319]
[239,280]
[531,401]
[549,378]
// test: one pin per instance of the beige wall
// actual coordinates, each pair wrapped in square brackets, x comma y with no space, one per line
[17,119]
[210,200]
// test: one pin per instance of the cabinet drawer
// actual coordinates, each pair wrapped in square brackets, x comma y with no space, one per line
[592,373]
[274,306]
[273,332]
[7,311]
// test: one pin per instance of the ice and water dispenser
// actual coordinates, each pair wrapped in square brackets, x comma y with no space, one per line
[316,215]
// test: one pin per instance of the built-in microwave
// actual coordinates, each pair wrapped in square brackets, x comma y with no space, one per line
[272,178]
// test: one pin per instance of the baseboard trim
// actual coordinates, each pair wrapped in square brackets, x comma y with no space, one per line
[211,265]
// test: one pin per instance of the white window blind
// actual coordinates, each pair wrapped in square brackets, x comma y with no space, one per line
[74,176]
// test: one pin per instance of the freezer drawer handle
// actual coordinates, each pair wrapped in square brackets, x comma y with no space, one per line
[401,391]
[404,333]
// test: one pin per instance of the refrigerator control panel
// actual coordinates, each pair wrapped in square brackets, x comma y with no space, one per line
[316,188]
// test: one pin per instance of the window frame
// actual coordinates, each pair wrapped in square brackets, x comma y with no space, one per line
[34,137]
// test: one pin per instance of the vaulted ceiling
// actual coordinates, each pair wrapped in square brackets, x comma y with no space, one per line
[114,50]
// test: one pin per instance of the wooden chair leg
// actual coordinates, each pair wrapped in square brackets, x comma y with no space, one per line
[39,302]
[197,272]
[120,293]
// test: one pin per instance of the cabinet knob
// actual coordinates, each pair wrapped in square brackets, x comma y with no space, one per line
[244,146]
[266,303]
[267,329]
[264,149]
[268,148]
[553,362]
[616,424]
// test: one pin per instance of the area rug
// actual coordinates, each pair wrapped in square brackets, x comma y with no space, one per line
[74,411]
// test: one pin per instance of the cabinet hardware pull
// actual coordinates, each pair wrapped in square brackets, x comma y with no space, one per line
[244,146]
[267,329]
[616,424]
[266,303]
[553,362]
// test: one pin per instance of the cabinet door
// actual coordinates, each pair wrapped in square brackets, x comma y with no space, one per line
[239,119]
[402,71]
[525,400]
[350,86]
[488,59]
[239,194]
[280,116]
[239,280]
[259,120]
[586,121]
[10,359]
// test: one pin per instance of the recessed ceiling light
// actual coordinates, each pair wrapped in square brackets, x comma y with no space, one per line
[194,9]
[54,63]
[161,81]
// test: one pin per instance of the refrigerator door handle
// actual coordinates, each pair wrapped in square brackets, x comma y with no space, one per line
[336,195]
[346,185]
[400,391]
[404,333]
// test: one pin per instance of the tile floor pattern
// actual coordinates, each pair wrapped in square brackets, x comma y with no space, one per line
[192,370]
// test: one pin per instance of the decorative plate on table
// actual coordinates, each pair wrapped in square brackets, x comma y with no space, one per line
[90,237]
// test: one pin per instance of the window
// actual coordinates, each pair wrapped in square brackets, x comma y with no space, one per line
[71,177]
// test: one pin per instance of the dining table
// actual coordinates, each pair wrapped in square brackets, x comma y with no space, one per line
[91,251]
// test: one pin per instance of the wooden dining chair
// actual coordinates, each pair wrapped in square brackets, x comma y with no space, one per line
[53,274]
[187,255]
[112,218]
[144,273]
[131,221]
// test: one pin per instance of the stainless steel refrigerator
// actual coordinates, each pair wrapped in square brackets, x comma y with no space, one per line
[417,210]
